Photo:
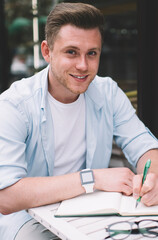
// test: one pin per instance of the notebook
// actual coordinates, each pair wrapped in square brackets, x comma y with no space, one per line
[103,203]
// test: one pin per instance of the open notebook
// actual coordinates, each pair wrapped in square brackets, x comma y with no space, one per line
[103,203]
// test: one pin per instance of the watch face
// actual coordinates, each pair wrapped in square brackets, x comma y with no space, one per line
[87,177]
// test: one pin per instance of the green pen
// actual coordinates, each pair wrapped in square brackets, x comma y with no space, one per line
[146,168]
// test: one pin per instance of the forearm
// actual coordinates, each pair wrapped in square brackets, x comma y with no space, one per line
[151,154]
[37,191]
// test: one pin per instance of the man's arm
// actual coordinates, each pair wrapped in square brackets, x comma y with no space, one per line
[149,190]
[37,191]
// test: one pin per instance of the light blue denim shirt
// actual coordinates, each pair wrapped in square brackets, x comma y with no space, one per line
[26,134]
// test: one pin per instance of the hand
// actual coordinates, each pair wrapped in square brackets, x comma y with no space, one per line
[114,180]
[148,191]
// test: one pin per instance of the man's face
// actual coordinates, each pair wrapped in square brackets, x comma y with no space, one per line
[74,61]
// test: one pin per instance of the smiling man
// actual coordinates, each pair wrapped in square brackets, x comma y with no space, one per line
[57,128]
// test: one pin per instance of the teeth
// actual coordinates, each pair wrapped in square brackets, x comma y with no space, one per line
[79,77]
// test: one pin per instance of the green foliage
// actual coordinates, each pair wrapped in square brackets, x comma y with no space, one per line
[19,16]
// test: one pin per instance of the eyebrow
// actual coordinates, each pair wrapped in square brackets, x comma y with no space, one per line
[74,47]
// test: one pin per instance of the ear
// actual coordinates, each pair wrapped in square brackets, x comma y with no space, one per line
[45,51]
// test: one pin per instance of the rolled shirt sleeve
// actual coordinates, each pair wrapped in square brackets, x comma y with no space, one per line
[13,134]
[130,133]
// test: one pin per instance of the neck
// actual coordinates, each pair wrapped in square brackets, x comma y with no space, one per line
[63,97]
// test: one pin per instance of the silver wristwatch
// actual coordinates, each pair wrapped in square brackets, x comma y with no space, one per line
[87,180]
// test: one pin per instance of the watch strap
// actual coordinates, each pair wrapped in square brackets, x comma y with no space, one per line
[89,185]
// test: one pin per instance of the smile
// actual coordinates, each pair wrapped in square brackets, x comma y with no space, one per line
[79,77]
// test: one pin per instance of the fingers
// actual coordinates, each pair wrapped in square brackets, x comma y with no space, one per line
[137,184]
[114,179]
[126,190]
[138,188]
[149,183]
[126,182]
[149,198]
[147,191]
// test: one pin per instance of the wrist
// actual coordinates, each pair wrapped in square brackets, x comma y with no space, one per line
[99,176]
[87,180]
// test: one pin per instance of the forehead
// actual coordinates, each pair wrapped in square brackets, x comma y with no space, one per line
[72,35]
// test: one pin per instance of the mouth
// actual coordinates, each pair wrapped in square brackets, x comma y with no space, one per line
[79,77]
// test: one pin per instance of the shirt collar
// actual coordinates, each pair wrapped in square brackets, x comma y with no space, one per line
[92,92]
[44,83]
[95,95]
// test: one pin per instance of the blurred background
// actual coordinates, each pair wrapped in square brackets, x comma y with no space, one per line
[25,21]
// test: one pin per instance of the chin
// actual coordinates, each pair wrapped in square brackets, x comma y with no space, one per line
[79,90]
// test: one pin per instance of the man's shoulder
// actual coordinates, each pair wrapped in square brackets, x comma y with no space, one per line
[25,88]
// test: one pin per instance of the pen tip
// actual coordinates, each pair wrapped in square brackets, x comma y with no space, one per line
[136,204]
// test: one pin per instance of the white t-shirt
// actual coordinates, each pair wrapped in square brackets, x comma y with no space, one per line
[69,135]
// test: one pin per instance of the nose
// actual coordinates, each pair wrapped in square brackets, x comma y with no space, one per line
[82,63]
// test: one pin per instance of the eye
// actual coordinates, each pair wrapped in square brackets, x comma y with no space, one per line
[71,52]
[92,53]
